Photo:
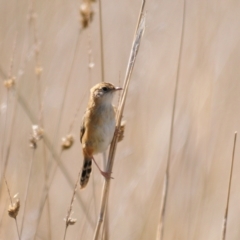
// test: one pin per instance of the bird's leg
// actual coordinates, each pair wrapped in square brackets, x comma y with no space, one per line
[107,175]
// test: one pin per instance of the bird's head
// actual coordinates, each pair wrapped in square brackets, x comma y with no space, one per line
[103,92]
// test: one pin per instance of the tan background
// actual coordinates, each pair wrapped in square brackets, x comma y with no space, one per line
[207,115]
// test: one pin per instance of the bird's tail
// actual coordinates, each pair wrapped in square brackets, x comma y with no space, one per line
[86,171]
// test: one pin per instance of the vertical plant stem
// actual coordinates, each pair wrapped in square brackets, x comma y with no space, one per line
[105,231]
[27,190]
[9,194]
[10,76]
[40,122]
[19,237]
[50,180]
[160,230]
[3,137]
[62,106]
[68,219]
[101,39]
[26,109]
[11,137]
[224,229]
[134,50]
[66,88]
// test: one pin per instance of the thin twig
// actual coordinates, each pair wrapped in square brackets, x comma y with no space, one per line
[10,76]
[50,181]
[160,230]
[9,194]
[29,113]
[16,222]
[101,39]
[65,94]
[90,57]
[66,87]
[224,228]
[27,190]
[38,70]
[50,163]
[3,136]
[32,20]
[69,220]
[105,231]
[10,138]
[23,103]
[134,50]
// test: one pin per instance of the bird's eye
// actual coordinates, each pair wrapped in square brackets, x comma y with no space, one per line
[105,89]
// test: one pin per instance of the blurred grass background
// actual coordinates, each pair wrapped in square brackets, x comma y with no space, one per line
[207,115]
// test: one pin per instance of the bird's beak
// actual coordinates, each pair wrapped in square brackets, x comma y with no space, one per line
[118,88]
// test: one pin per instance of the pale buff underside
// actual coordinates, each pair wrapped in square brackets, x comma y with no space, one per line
[99,129]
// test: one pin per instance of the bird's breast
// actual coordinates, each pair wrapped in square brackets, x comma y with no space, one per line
[100,129]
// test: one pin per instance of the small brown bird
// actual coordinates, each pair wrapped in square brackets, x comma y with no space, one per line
[98,127]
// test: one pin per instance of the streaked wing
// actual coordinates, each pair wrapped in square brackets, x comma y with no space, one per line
[82,129]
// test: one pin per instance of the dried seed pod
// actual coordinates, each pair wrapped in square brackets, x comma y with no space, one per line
[9,83]
[37,134]
[38,70]
[86,13]
[32,142]
[13,209]
[67,142]
[71,221]
[121,131]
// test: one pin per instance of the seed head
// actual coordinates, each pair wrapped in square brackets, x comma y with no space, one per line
[86,13]
[67,142]
[38,70]
[13,209]
[9,83]
[36,135]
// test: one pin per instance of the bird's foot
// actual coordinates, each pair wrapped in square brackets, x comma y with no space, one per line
[107,175]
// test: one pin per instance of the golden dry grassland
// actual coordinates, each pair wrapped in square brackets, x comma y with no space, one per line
[181,112]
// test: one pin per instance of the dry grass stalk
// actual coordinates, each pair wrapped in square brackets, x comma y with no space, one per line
[25,107]
[23,103]
[101,39]
[10,140]
[66,144]
[224,227]
[69,220]
[67,141]
[38,73]
[160,229]
[9,83]
[27,190]
[91,63]
[134,50]
[62,104]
